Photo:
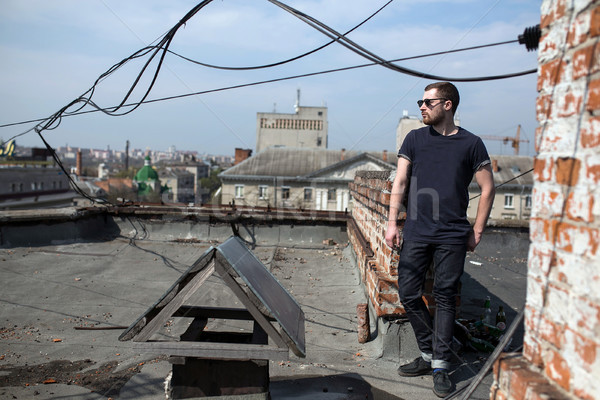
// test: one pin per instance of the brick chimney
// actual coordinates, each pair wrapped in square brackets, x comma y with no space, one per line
[78,164]
[343,155]
[241,155]
[384,156]
[495,165]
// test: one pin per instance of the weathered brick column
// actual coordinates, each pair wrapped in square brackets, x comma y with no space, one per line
[561,356]
[377,263]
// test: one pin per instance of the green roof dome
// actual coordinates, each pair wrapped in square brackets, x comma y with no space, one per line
[146,173]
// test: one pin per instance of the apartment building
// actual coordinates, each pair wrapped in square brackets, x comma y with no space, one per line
[300,178]
[513,178]
[307,127]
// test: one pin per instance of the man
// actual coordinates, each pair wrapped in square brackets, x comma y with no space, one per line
[436,163]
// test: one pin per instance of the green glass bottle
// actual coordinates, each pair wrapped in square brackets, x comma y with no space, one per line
[501,319]
[487,311]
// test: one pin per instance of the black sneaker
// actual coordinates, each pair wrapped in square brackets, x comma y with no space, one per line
[442,385]
[416,368]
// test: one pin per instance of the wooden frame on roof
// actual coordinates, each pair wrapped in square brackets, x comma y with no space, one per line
[276,315]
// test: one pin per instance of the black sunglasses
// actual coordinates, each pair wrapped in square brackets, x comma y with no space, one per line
[427,102]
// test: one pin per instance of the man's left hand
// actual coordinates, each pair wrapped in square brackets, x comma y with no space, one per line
[473,241]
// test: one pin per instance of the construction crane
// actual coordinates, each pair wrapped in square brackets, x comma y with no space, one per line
[505,139]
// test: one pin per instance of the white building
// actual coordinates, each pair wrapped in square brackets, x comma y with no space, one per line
[307,127]
[299,178]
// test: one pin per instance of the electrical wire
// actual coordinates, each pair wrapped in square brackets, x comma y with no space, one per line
[505,182]
[529,37]
[341,69]
[161,49]
[349,44]
[72,182]
[319,48]
[284,61]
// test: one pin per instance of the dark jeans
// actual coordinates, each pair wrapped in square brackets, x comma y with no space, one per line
[448,259]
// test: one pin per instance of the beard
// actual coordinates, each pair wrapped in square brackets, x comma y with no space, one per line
[434,119]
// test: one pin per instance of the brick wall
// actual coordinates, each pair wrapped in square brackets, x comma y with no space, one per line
[370,192]
[562,316]
[377,263]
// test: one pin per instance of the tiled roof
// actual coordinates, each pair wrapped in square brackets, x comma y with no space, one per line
[512,170]
[290,161]
[305,162]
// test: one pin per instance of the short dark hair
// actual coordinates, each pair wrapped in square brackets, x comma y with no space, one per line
[447,91]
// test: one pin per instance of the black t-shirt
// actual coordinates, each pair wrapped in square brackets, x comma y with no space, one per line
[442,168]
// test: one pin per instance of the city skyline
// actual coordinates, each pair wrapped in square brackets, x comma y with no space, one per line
[55,51]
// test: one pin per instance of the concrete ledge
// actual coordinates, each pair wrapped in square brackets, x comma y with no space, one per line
[55,226]
[23,228]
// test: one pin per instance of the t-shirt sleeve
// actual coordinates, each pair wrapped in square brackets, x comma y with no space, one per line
[480,155]
[407,147]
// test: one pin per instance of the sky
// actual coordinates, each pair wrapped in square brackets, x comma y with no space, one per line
[52,52]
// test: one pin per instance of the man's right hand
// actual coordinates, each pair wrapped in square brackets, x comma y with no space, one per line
[392,236]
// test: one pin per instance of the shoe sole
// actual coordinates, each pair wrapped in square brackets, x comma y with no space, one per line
[440,394]
[413,374]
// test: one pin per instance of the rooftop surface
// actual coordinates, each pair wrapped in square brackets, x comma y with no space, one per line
[65,304]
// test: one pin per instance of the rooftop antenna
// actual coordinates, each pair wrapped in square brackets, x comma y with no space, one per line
[127,155]
[297,105]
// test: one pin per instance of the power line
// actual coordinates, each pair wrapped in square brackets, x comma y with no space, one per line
[349,44]
[529,37]
[341,69]
[159,51]
[284,61]
[505,182]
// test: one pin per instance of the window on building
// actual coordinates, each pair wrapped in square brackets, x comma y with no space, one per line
[13,187]
[285,192]
[508,201]
[528,201]
[263,192]
[308,194]
[239,191]
[20,187]
[331,194]
[33,187]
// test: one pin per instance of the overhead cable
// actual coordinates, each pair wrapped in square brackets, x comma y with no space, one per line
[86,98]
[159,51]
[284,61]
[505,182]
[270,80]
[529,37]
[349,44]
[321,47]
